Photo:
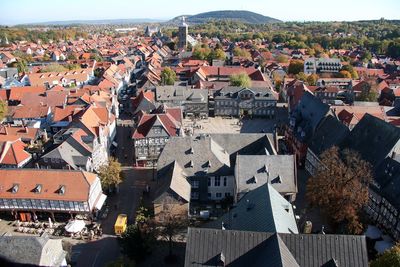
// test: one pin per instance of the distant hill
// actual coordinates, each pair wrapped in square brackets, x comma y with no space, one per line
[95,22]
[237,15]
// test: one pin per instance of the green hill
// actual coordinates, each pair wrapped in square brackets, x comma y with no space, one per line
[237,15]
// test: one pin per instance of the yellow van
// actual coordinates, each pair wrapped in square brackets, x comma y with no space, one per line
[120,224]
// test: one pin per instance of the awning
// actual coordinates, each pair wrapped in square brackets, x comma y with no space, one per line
[100,202]
[75,226]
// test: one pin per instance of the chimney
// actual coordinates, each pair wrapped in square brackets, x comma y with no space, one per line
[26,129]
[69,118]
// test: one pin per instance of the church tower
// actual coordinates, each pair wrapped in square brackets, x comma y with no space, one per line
[182,34]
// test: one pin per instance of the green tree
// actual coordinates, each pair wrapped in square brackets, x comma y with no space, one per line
[54,68]
[344,74]
[22,66]
[110,173]
[351,70]
[170,225]
[367,93]
[240,52]
[282,59]
[241,80]
[312,79]
[339,187]
[390,258]
[3,110]
[296,66]
[301,76]
[136,243]
[168,76]
[201,52]
[217,54]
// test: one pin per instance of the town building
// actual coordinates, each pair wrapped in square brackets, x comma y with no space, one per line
[331,132]
[322,65]
[194,102]
[31,191]
[32,250]
[262,209]
[153,132]
[219,247]
[278,170]
[208,163]
[182,34]
[239,101]
[303,122]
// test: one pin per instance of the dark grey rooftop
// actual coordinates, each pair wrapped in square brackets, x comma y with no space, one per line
[215,153]
[251,171]
[373,138]
[234,91]
[262,210]
[241,248]
[329,133]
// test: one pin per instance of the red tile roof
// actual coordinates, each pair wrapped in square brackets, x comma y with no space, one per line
[17,93]
[170,121]
[13,153]
[77,184]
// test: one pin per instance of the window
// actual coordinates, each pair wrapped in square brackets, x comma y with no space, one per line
[195,184]
[209,181]
[227,194]
[194,195]
[218,195]
[157,130]
[225,181]
[209,195]
[217,181]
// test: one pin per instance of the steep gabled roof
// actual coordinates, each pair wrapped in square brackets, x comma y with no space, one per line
[373,138]
[262,210]
[204,247]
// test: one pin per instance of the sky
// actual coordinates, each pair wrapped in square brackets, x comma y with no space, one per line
[28,11]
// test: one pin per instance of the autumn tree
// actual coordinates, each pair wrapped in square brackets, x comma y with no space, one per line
[301,76]
[54,68]
[340,187]
[168,76]
[281,59]
[110,173]
[170,225]
[312,79]
[241,80]
[296,66]
[241,52]
[217,54]
[344,74]
[390,258]
[3,110]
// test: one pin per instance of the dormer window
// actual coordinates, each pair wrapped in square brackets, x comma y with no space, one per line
[61,190]
[15,188]
[37,189]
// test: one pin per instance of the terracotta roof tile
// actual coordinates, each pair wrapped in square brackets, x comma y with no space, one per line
[77,184]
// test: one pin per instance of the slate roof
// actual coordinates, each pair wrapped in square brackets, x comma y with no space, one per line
[242,248]
[215,153]
[173,183]
[329,133]
[39,251]
[259,93]
[387,181]
[74,151]
[373,138]
[251,171]
[307,115]
[181,93]
[261,210]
